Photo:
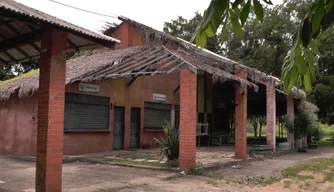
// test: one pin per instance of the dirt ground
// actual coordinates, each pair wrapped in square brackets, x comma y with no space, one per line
[18,175]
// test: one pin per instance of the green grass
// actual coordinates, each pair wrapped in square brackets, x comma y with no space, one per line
[130,162]
[325,143]
[210,182]
[287,184]
[25,75]
[315,165]
[250,131]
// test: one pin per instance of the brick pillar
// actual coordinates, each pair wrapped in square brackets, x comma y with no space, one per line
[51,95]
[188,108]
[291,116]
[271,115]
[240,118]
[127,119]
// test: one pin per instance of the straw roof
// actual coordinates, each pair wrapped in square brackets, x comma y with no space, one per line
[223,63]
[124,63]
[27,84]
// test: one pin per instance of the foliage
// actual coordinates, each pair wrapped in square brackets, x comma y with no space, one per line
[196,170]
[299,67]
[305,123]
[184,29]
[257,122]
[264,45]
[170,145]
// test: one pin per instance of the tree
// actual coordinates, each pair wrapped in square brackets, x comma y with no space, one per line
[185,29]
[265,44]
[299,67]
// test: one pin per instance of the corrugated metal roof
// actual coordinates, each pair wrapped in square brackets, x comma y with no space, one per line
[33,13]
[20,21]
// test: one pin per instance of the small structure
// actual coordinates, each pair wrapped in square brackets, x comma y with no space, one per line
[118,99]
[27,34]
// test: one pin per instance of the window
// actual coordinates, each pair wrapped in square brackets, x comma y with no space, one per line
[86,113]
[156,115]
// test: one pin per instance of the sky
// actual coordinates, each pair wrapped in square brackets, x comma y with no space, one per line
[149,12]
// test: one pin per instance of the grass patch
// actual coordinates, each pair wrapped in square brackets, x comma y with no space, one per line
[329,176]
[196,170]
[210,182]
[130,162]
[214,175]
[287,184]
[315,165]
[22,76]
[323,142]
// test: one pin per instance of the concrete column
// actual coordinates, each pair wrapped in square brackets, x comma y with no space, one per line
[291,116]
[271,115]
[51,96]
[188,108]
[240,118]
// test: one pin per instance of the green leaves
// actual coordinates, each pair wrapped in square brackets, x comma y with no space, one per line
[306,32]
[258,10]
[236,26]
[245,13]
[316,19]
[201,39]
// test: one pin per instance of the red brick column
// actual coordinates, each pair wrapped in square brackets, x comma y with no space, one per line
[127,118]
[271,115]
[291,116]
[51,95]
[240,118]
[188,108]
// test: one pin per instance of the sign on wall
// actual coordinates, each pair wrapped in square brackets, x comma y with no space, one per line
[89,88]
[159,97]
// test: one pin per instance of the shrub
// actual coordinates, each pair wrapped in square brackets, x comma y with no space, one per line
[170,145]
[305,123]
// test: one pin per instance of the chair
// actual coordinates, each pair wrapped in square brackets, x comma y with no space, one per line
[202,129]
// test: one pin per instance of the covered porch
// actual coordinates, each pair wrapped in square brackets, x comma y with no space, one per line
[27,35]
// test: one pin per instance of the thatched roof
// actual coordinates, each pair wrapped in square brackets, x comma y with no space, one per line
[223,63]
[309,106]
[124,63]
[27,84]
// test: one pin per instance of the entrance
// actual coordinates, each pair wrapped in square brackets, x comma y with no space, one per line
[118,140]
[135,128]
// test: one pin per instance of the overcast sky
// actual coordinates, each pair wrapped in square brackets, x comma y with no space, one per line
[150,12]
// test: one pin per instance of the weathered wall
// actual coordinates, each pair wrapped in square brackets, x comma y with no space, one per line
[18,125]
[128,36]
[160,84]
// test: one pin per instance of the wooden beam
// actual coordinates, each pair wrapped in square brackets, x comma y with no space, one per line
[23,39]
[10,56]
[43,24]
[10,26]
[132,81]
[3,61]
[24,53]
[176,89]
[72,44]
[33,45]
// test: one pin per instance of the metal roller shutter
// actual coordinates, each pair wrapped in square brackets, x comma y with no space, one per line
[86,113]
[156,115]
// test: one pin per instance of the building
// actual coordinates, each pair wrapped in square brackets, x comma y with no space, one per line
[119,99]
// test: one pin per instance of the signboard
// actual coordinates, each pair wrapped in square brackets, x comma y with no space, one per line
[89,88]
[159,97]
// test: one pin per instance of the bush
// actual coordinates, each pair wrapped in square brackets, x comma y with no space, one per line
[305,123]
[170,145]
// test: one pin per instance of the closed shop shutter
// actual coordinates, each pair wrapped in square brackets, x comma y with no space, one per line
[156,115]
[86,113]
